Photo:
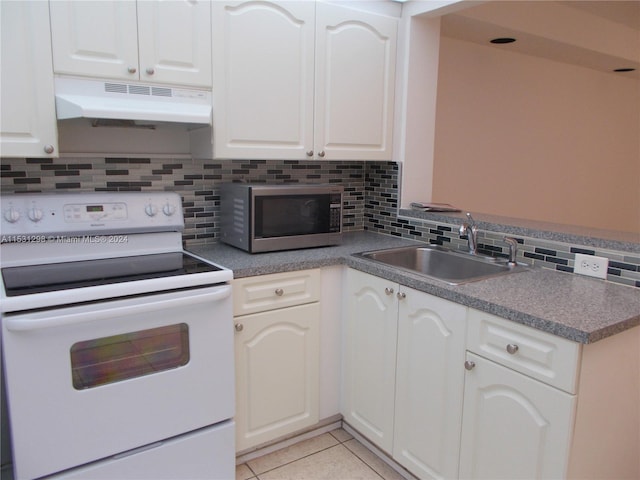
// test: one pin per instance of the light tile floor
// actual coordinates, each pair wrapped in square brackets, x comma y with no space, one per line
[332,456]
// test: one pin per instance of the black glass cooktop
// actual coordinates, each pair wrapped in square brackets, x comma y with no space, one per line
[86,273]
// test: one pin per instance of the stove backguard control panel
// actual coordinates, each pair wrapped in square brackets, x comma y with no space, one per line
[32,217]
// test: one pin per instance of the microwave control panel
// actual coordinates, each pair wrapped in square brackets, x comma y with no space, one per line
[335,213]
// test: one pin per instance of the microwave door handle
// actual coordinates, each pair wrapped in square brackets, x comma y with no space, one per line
[23,323]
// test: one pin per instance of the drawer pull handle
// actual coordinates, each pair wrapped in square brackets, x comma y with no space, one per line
[279,292]
[239,327]
[512,348]
[388,291]
[401,295]
[469,365]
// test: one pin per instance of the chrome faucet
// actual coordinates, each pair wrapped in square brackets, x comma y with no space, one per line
[470,229]
[513,249]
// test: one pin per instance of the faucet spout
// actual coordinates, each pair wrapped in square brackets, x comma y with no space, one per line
[513,249]
[470,229]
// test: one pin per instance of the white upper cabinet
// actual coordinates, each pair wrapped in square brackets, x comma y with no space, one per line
[175,42]
[28,122]
[152,41]
[355,82]
[302,80]
[99,39]
[263,79]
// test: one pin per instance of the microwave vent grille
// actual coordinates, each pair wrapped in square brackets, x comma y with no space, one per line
[239,212]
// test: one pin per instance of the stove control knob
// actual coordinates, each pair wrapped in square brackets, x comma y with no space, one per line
[35,214]
[11,215]
[168,209]
[151,210]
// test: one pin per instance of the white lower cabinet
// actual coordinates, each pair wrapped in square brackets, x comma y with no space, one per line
[403,380]
[277,355]
[514,426]
[519,400]
[429,384]
[452,392]
[369,359]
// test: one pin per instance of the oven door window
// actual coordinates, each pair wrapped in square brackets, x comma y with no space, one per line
[130,355]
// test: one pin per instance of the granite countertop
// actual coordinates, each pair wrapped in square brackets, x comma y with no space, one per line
[578,308]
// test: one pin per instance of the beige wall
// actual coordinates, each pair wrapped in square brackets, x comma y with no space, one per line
[606,438]
[526,137]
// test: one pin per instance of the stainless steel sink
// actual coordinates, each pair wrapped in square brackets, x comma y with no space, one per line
[443,264]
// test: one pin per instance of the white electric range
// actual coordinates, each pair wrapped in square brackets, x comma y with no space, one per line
[117,344]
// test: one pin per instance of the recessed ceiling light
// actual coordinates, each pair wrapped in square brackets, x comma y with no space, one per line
[625,70]
[501,40]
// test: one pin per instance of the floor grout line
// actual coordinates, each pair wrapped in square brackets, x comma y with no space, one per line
[319,451]
[304,456]
[364,461]
[340,442]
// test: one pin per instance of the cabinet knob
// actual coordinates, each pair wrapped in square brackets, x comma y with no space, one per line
[401,295]
[469,365]
[388,291]
[310,153]
[150,71]
[239,327]
[321,154]
[279,292]
[132,69]
[512,348]
[49,149]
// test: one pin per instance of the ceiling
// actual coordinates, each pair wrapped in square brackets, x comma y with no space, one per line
[625,12]
[601,35]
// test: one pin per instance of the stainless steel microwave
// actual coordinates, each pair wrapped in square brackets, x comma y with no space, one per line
[266,218]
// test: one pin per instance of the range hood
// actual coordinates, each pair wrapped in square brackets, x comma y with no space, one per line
[113,100]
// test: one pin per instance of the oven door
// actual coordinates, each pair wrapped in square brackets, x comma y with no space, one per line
[89,381]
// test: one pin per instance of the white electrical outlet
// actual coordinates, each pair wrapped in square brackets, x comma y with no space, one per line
[591,265]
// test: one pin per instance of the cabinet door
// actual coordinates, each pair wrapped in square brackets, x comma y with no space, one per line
[355,82]
[28,116]
[97,39]
[370,357]
[277,373]
[429,384]
[175,42]
[263,79]
[513,426]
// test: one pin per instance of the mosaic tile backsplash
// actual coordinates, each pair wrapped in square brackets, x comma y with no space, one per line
[195,180]
[370,200]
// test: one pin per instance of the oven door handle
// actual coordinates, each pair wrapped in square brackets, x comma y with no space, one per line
[40,320]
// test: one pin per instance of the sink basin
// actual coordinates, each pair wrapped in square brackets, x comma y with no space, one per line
[443,264]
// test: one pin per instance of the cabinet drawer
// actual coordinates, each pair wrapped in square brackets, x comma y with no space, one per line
[546,357]
[267,292]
